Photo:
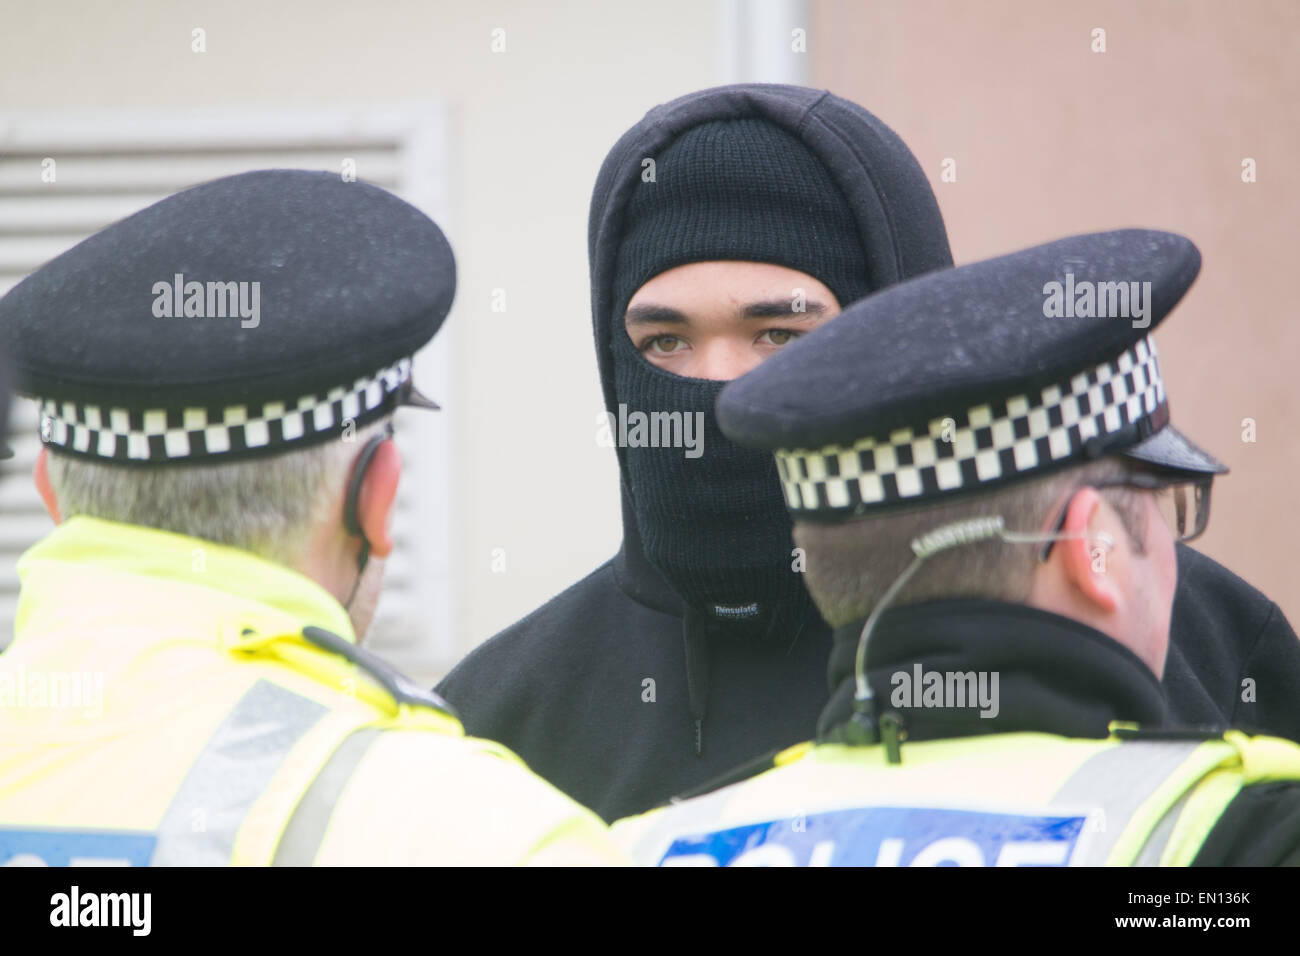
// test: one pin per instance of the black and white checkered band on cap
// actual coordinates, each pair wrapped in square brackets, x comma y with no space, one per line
[217,432]
[1075,420]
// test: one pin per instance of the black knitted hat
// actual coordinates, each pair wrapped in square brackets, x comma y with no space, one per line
[742,189]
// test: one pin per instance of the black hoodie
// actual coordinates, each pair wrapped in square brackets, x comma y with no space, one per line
[621,698]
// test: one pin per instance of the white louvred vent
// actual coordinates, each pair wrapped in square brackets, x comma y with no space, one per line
[66,176]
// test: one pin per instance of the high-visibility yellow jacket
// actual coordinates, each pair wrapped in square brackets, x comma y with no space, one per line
[988,800]
[161,703]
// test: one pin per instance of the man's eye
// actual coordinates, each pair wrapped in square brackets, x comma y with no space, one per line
[778,336]
[663,344]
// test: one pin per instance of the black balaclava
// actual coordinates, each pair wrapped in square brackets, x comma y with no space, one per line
[715,526]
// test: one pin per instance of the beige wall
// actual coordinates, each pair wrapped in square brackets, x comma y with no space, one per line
[1051,139]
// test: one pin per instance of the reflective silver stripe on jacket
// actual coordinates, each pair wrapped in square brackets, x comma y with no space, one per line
[306,828]
[1118,781]
[1159,838]
[232,771]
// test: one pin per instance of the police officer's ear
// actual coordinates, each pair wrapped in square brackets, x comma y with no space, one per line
[41,473]
[1090,568]
[376,496]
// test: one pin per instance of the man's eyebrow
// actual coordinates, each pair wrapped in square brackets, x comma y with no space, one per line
[654,315]
[650,314]
[782,308]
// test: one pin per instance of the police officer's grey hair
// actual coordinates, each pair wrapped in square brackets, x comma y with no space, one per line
[851,564]
[263,505]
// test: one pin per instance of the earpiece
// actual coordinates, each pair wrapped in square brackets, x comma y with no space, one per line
[351,515]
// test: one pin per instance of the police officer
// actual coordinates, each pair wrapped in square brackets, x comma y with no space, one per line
[217,376]
[979,484]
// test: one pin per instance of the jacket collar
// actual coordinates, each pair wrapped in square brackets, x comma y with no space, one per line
[1034,671]
[97,546]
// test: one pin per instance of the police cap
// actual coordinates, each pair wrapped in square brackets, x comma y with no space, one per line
[972,377]
[246,316]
